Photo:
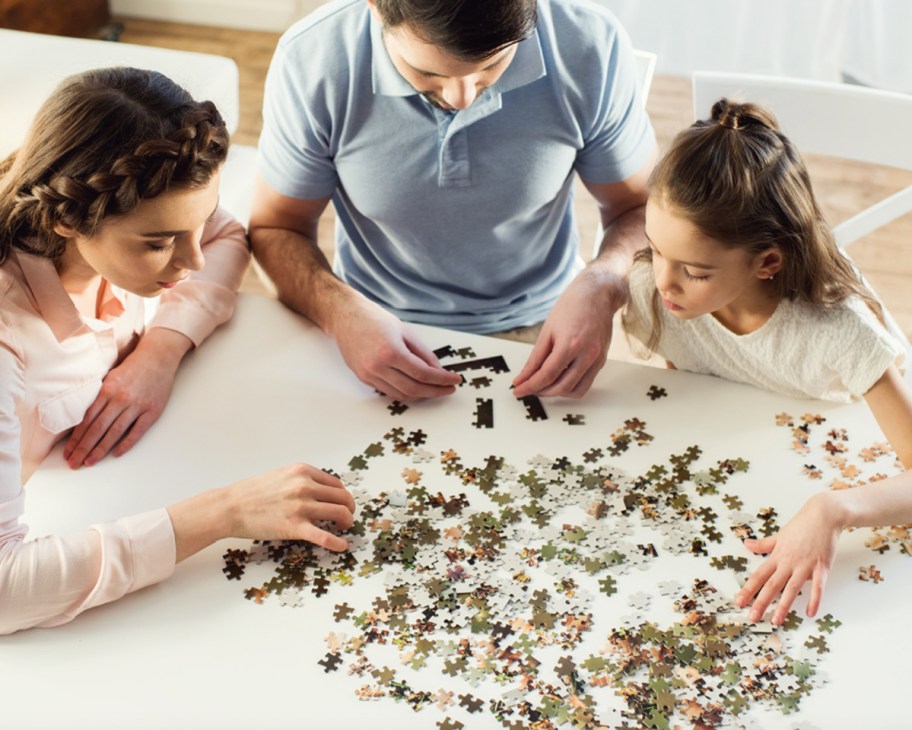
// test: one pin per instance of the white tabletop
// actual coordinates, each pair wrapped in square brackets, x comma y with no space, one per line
[270,389]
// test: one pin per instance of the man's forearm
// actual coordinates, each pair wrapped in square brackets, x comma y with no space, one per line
[624,236]
[622,239]
[300,271]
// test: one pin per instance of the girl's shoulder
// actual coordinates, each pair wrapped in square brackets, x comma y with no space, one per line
[641,285]
[641,279]
[851,313]
[843,328]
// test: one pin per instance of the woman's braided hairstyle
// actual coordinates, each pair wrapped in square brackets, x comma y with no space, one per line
[104,141]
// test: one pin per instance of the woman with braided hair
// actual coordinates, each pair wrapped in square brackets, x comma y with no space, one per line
[112,199]
[742,279]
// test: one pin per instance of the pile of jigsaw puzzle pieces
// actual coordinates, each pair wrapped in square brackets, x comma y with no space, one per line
[518,591]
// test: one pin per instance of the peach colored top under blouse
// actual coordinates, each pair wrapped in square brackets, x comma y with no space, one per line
[52,363]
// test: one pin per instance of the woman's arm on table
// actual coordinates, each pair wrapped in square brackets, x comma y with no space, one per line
[134,394]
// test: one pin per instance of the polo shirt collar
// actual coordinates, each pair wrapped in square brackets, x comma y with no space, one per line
[527,66]
[387,80]
[52,300]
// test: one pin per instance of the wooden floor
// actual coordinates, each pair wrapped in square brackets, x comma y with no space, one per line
[843,188]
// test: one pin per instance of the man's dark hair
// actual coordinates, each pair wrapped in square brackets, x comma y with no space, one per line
[470,30]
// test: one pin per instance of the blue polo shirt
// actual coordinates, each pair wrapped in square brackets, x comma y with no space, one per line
[457,219]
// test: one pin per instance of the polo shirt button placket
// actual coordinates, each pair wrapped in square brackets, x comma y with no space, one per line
[454,160]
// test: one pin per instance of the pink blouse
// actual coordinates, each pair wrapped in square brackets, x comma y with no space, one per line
[52,363]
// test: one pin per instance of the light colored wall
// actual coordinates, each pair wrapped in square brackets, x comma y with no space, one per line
[866,40]
[268,15]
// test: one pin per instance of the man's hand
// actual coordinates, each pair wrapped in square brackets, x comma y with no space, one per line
[387,356]
[573,344]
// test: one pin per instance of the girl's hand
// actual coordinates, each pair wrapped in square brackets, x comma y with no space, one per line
[801,551]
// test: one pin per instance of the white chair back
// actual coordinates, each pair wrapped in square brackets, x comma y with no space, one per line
[837,120]
[646,63]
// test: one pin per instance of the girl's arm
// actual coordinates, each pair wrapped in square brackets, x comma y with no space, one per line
[890,400]
[136,392]
[804,549]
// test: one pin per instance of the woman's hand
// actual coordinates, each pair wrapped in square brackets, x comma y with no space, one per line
[132,397]
[284,504]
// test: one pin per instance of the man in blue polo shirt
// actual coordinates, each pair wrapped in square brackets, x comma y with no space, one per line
[447,133]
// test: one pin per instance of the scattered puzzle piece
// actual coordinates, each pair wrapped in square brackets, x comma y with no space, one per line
[330,662]
[655,392]
[397,408]
[484,413]
[477,582]
[535,411]
[574,419]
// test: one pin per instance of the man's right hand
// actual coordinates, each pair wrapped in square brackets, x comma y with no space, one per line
[386,355]
[375,344]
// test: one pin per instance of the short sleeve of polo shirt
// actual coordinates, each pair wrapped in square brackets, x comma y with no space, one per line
[304,84]
[620,139]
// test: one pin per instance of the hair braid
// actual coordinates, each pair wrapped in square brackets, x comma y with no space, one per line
[162,140]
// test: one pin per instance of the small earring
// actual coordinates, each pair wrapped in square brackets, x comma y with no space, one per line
[770,277]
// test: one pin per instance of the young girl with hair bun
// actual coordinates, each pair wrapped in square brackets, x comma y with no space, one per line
[743,279]
[113,198]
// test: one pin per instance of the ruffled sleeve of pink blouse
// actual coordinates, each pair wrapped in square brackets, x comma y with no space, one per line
[197,306]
